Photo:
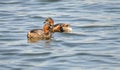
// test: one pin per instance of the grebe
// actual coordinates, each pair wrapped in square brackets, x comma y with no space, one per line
[61,27]
[44,33]
[48,29]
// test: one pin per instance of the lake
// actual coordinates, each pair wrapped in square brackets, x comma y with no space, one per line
[94,43]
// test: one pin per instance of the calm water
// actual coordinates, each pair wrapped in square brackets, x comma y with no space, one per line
[94,43]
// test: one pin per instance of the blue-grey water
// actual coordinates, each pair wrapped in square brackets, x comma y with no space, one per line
[94,43]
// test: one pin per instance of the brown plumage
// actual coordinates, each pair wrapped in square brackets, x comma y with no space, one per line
[50,21]
[63,27]
[48,29]
[44,33]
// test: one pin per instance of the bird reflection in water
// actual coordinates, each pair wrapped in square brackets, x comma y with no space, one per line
[35,40]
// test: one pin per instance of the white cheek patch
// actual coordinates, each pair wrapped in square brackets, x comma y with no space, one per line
[67,29]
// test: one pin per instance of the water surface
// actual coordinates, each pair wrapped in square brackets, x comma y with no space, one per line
[94,43]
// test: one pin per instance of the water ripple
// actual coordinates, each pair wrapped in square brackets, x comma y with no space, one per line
[92,45]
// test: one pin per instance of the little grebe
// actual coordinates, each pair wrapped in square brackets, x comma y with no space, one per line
[48,29]
[61,27]
[44,33]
